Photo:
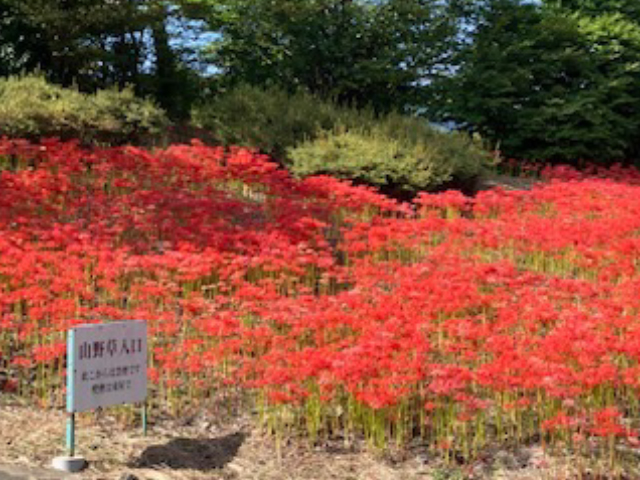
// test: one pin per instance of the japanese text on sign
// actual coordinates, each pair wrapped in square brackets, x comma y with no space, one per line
[109,365]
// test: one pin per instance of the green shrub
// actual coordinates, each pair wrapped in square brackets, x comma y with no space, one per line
[32,108]
[270,119]
[118,116]
[399,155]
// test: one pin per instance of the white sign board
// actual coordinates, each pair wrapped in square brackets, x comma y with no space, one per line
[107,365]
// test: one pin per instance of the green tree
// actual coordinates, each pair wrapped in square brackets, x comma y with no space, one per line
[373,53]
[631,8]
[95,44]
[21,44]
[549,84]
[83,38]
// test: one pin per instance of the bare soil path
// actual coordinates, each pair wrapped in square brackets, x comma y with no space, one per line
[13,472]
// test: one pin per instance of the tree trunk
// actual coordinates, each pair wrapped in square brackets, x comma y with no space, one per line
[165,61]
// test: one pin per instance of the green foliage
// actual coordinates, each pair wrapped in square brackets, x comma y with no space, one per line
[598,7]
[553,79]
[32,108]
[269,119]
[19,42]
[81,41]
[399,155]
[118,116]
[360,53]
[93,44]
[550,84]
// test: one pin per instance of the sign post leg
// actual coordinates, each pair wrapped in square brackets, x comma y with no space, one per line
[144,419]
[71,434]
[70,463]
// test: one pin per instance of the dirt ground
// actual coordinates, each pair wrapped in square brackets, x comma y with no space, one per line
[506,182]
[222,446]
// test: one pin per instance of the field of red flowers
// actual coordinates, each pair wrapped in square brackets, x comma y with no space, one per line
[511,317]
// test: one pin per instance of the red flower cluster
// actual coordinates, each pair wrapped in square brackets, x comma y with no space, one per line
[512,314]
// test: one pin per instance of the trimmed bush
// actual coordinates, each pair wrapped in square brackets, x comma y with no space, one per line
[270,120]
[399,155]
[32,108]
